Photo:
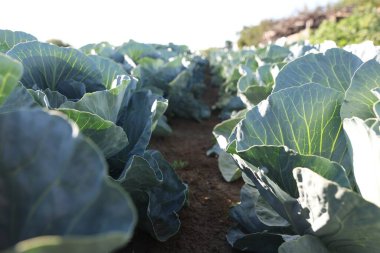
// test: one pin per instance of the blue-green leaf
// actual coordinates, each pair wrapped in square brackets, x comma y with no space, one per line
[223,130]
[66,70]
[342,220]
[334,69]
[109,137]
[258,224]
[10,38]
[137,50]
[47,98]
[228,167]
[306,243]
[10,73]
[273,53]
[182,100]
[104,49]
[278,162]
[109,69]
[54,182]
[157,192]
[359,99]
[12,94]
[304,119]
[137,121]
[106,104]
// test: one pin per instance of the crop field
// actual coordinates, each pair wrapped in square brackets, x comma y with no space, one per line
[155,148]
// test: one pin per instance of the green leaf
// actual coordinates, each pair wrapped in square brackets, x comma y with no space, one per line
[10,73]
[228,167]
[10,38]
[137,122]
[306,243]
[106,104]
[334,69]
[250,90]
[254,95]
[139,175]
[273,53]
[47,98]
[359,99]
[17,99]
[104,49]
[339,217]
[65,70]
[12,94]
[265,219]
[171,69]
[102,108]
[251,63]
[157,192]
[247,79]
[265,75]
[304,119]
[109,137]
[159,107]
[183,102]
[223,130]
[54,182]
[109,69]
[137,50]
[146,71]
[167,199]
[365,154]
[279,200]
[157,74]
[278,162]
[255,215]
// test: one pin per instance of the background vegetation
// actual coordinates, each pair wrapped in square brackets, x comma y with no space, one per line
[363,24]
[346,22]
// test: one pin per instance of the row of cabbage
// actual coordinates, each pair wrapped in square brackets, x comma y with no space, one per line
[76,174]
[171,71]
[308,146]
[245,78]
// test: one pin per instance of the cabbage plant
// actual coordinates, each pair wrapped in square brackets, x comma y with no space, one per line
[166,70]
[250,78]
[46,206]
[111,112]
[304,152]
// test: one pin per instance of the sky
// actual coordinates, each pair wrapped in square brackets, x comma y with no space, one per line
[200,24]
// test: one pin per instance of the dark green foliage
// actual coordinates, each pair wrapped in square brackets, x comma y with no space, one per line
[252,35]
[363,24]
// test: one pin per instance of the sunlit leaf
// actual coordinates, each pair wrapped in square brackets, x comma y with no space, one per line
[359,99]
[10,38]
[334,69]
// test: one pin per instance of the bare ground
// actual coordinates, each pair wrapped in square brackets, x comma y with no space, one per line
[205,220]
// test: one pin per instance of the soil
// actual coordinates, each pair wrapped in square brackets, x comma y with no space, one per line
[205,220]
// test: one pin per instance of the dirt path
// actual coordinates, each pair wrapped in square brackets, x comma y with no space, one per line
[205,221]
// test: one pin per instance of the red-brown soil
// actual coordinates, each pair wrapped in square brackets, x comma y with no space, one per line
[205,220]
